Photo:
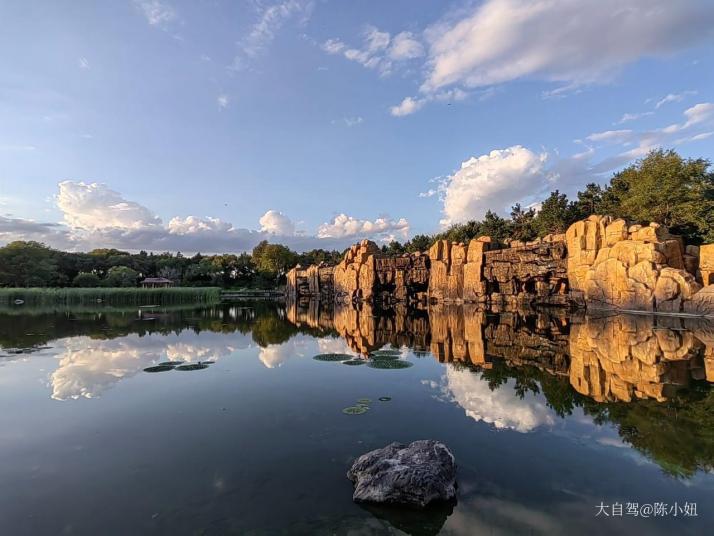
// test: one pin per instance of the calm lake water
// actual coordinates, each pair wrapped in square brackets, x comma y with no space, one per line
[550,417]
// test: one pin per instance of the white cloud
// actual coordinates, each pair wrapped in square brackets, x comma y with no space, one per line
[429,193]
[83,63]
[271,19]
[222,101]
[405,46]
[157,13]
[611,136]
[16,148]
[408,106]
[276,223]
[502,408]
[699,113]
[673,97]
[632,117]
[492,181]
[558,40]
[353,121]
[379,50]
[344,226]
[93,206]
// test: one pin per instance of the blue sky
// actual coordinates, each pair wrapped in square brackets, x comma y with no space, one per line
[209,125]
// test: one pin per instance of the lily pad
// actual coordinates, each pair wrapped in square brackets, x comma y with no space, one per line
[171,363]
[355,410]
[364,401]
[388,351]
[332,357]
[390,364]
[159,368]
[192,366]
[385,398]
[383,357]
[354,362]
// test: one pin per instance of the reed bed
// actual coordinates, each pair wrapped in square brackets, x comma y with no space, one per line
[109,296]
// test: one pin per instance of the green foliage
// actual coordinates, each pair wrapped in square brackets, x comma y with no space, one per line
[86,280]
[27,264]
[121,276]
[555,215]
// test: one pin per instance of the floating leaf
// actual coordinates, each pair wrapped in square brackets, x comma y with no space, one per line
[390,364]
[354,362]
[171,363]
[365,401]
[332,357]
[388,351]
[355,410]
[159,368]
[385,398]
[193,366]
[383,357]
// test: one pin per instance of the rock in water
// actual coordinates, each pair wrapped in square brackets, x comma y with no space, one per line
[414,475]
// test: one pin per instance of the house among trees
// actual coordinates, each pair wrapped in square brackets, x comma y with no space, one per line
[156,282]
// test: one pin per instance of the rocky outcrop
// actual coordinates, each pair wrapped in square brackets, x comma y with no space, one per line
[631,267]
[600,262]
[413,475]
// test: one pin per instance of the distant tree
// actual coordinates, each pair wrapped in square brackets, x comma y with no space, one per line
[27,264]
[86,280]
[590,201]
[555,215]
[495,226]
[393,248]
[121,276]
[522,227]
[273,260]
[419,242]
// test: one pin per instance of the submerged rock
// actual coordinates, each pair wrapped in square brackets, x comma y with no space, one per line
[413,475]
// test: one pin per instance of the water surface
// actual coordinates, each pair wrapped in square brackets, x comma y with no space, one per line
[548,416]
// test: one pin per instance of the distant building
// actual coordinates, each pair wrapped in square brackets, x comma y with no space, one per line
[156,282]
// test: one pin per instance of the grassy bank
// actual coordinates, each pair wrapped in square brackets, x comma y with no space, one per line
[110,296]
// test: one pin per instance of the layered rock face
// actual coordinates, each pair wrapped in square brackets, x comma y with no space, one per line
[599,262]
[634,267]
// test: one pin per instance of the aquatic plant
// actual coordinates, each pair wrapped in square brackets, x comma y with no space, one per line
[388,351]
[355,410]
[159,368]
[109,296]
[389,364]
[332,357]
[171,363]
[365,401]
[375,355]
[192,366]
[355,362]
[384,398]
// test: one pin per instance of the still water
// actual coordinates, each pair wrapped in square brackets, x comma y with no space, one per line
[554,420]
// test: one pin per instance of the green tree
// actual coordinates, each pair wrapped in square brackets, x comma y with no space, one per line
[590,201]
[86,280]
[27,264]
[522,227]
[274,260]
[665,188]
[419,243]
[555,215]
[121,276]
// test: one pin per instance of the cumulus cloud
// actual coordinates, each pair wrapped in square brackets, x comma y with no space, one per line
[502,408]
[94,206]
[699,113]
[276,223]
[97,216]
[405,46]
[408,106]
[344,226]
[558,40]
[492,181]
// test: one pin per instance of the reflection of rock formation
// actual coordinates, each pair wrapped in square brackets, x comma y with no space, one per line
[626,357]
[607,358]
[88,367]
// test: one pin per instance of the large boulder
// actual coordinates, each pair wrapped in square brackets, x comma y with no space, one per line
[413,475]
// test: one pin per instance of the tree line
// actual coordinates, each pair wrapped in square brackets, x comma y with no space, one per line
[663,187]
